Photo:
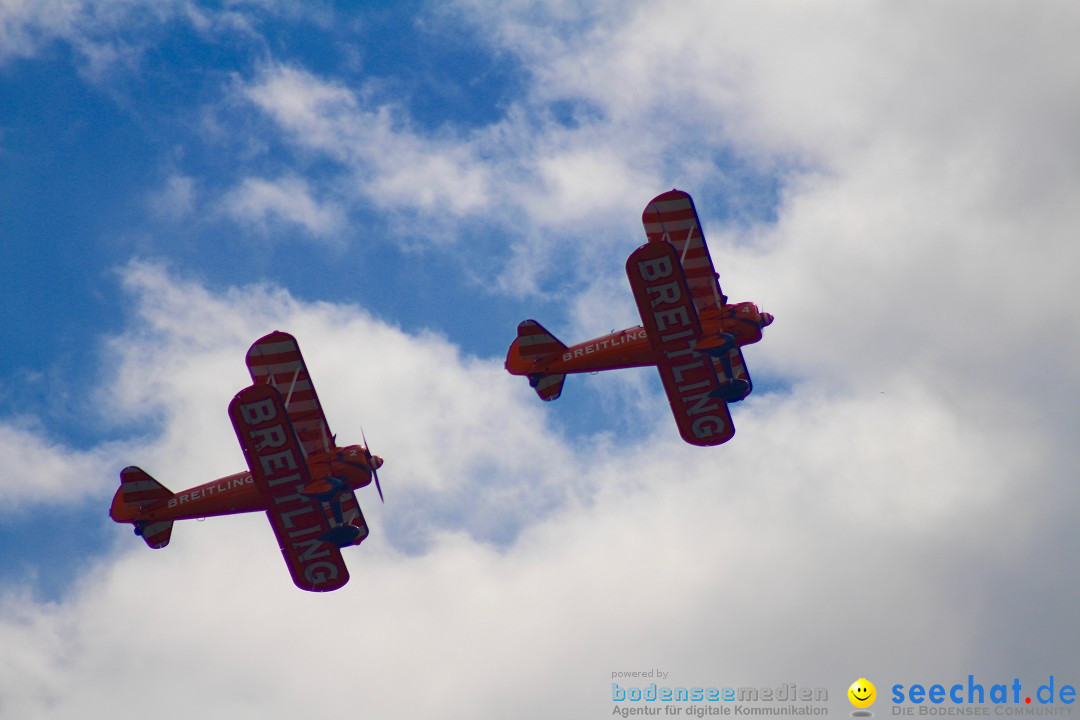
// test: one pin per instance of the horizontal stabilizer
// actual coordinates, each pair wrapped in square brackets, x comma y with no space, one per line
[156,534]
[139,490]
[536,342]
[528,354]
[548,387]
[533,344]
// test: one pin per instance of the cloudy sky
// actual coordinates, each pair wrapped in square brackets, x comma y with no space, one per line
[399,184]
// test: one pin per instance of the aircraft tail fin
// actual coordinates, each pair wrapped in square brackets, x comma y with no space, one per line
[534,343]
[138,489]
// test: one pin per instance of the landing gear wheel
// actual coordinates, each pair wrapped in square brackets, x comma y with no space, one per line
[341,536]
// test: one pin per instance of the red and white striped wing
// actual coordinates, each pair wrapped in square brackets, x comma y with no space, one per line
[276,360]
[671,217]
[300,522]
[673,328]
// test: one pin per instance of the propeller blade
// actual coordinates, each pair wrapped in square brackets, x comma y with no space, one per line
[371,464]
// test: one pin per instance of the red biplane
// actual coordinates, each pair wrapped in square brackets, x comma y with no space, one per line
[689,331]
[297,474]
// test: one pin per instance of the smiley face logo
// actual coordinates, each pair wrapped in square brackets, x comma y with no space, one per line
[862,693]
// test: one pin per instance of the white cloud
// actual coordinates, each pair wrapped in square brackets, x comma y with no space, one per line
[512,569]
[99,31]
[24,24]
[37,469]
[112,35]
[391,164]
[289,199]
[176,199]
[904,122]
[545,191]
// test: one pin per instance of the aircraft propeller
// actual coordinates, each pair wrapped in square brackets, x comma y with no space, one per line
[332,491]
[371,464]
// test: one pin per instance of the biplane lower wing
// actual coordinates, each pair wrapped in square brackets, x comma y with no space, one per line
[276,460]
[671,322]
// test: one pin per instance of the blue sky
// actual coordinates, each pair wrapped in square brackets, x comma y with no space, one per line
[399,184]
[83,167]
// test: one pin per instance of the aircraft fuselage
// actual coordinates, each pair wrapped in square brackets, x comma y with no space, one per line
[237,493]
[631,348]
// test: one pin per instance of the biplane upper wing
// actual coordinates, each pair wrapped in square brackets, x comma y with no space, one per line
[276,460]
[671,322]
[275,359]
[671,217]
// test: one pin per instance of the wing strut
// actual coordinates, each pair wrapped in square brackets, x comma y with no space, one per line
[292,386]
[325,442]
[686,243]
